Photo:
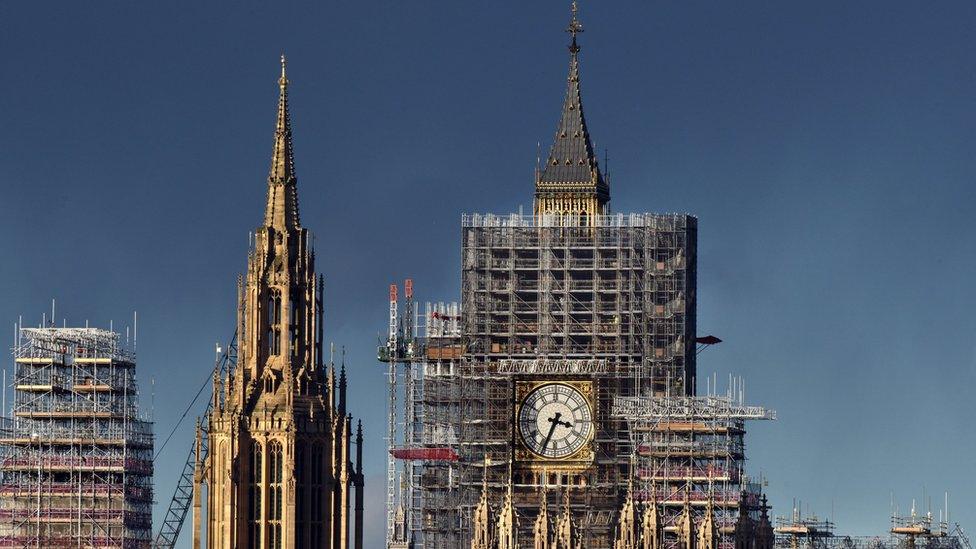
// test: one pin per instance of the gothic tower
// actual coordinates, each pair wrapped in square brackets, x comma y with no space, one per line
[570,186]
[279,471]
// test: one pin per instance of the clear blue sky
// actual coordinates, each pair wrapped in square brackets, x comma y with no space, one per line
[827,148]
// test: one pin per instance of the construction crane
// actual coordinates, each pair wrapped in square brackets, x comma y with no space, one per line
[393,346]
[169,532]
[394,352]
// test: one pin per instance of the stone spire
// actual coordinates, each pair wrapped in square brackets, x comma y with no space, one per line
[359,483]
[564,528]
[540,531]
[650,537]
[342,384]
[198,481]
[745,527]
[708,530]
[627,522]
[571,177]
[399,526]
[507,522]
[281,211]
[686,526]
[330,381]
[481,537]
[765,536]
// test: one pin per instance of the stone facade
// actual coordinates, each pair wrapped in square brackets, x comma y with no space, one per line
[635,528]
[279,473]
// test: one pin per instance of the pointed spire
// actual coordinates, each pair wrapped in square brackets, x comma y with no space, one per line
[564,526]
[572,161]
[686,525]
[765,536]
[574,28]
[216,390]
[359,450]
[399,525]
[507,537]
[197,446]
[627,521]
[342,383]
[282,208]
[708,530]
[744,525]
[650,534]
[481,537]
[540,530]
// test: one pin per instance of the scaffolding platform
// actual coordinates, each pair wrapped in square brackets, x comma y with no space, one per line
[76,457]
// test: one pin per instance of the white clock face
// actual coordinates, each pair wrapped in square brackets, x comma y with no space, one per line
[555,421]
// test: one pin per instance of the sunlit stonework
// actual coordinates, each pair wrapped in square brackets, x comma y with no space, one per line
[279,473]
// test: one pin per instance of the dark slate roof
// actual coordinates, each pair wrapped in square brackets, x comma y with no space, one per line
[571,159]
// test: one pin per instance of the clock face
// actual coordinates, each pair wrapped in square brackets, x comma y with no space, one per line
[555,421]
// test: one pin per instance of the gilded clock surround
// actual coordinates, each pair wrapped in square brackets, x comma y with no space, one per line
[524,456]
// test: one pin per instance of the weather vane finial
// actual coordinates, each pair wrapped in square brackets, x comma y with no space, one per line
[575,27]
[283,81]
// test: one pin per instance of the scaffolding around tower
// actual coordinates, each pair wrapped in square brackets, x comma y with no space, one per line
[610,301]
[422,352]
[913,531]
[77,456]
[689,451]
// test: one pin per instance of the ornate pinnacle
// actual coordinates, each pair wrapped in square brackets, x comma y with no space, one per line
[574,28]
[281,211]
[283,81]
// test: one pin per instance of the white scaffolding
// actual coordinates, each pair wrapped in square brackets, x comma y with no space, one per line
[77,455]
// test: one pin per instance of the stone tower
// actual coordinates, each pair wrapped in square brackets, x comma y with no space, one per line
[279,472]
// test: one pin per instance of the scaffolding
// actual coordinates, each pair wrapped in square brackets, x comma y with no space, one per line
[611,303]
[622,291]
[691,450]
[913,531]
[76,463]
[423,351]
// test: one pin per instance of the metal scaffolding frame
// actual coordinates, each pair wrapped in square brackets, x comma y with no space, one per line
[692,449]
[913,531]
[77,454]
[613,303]
[423,352]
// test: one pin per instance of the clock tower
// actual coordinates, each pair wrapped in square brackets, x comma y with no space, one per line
[570,374]
[563,312]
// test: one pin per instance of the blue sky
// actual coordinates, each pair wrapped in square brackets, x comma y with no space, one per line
[826,147]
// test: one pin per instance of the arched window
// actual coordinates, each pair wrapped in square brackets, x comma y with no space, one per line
[274,323]
[582,219]
[293,324]
[275,494]
[300,493]
[254,478]
[218,495]
[316,492]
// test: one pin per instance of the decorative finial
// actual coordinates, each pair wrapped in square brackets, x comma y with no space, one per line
[575,27]
[283,81]
[484,476]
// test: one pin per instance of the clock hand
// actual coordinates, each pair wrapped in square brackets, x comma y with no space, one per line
[554,421]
